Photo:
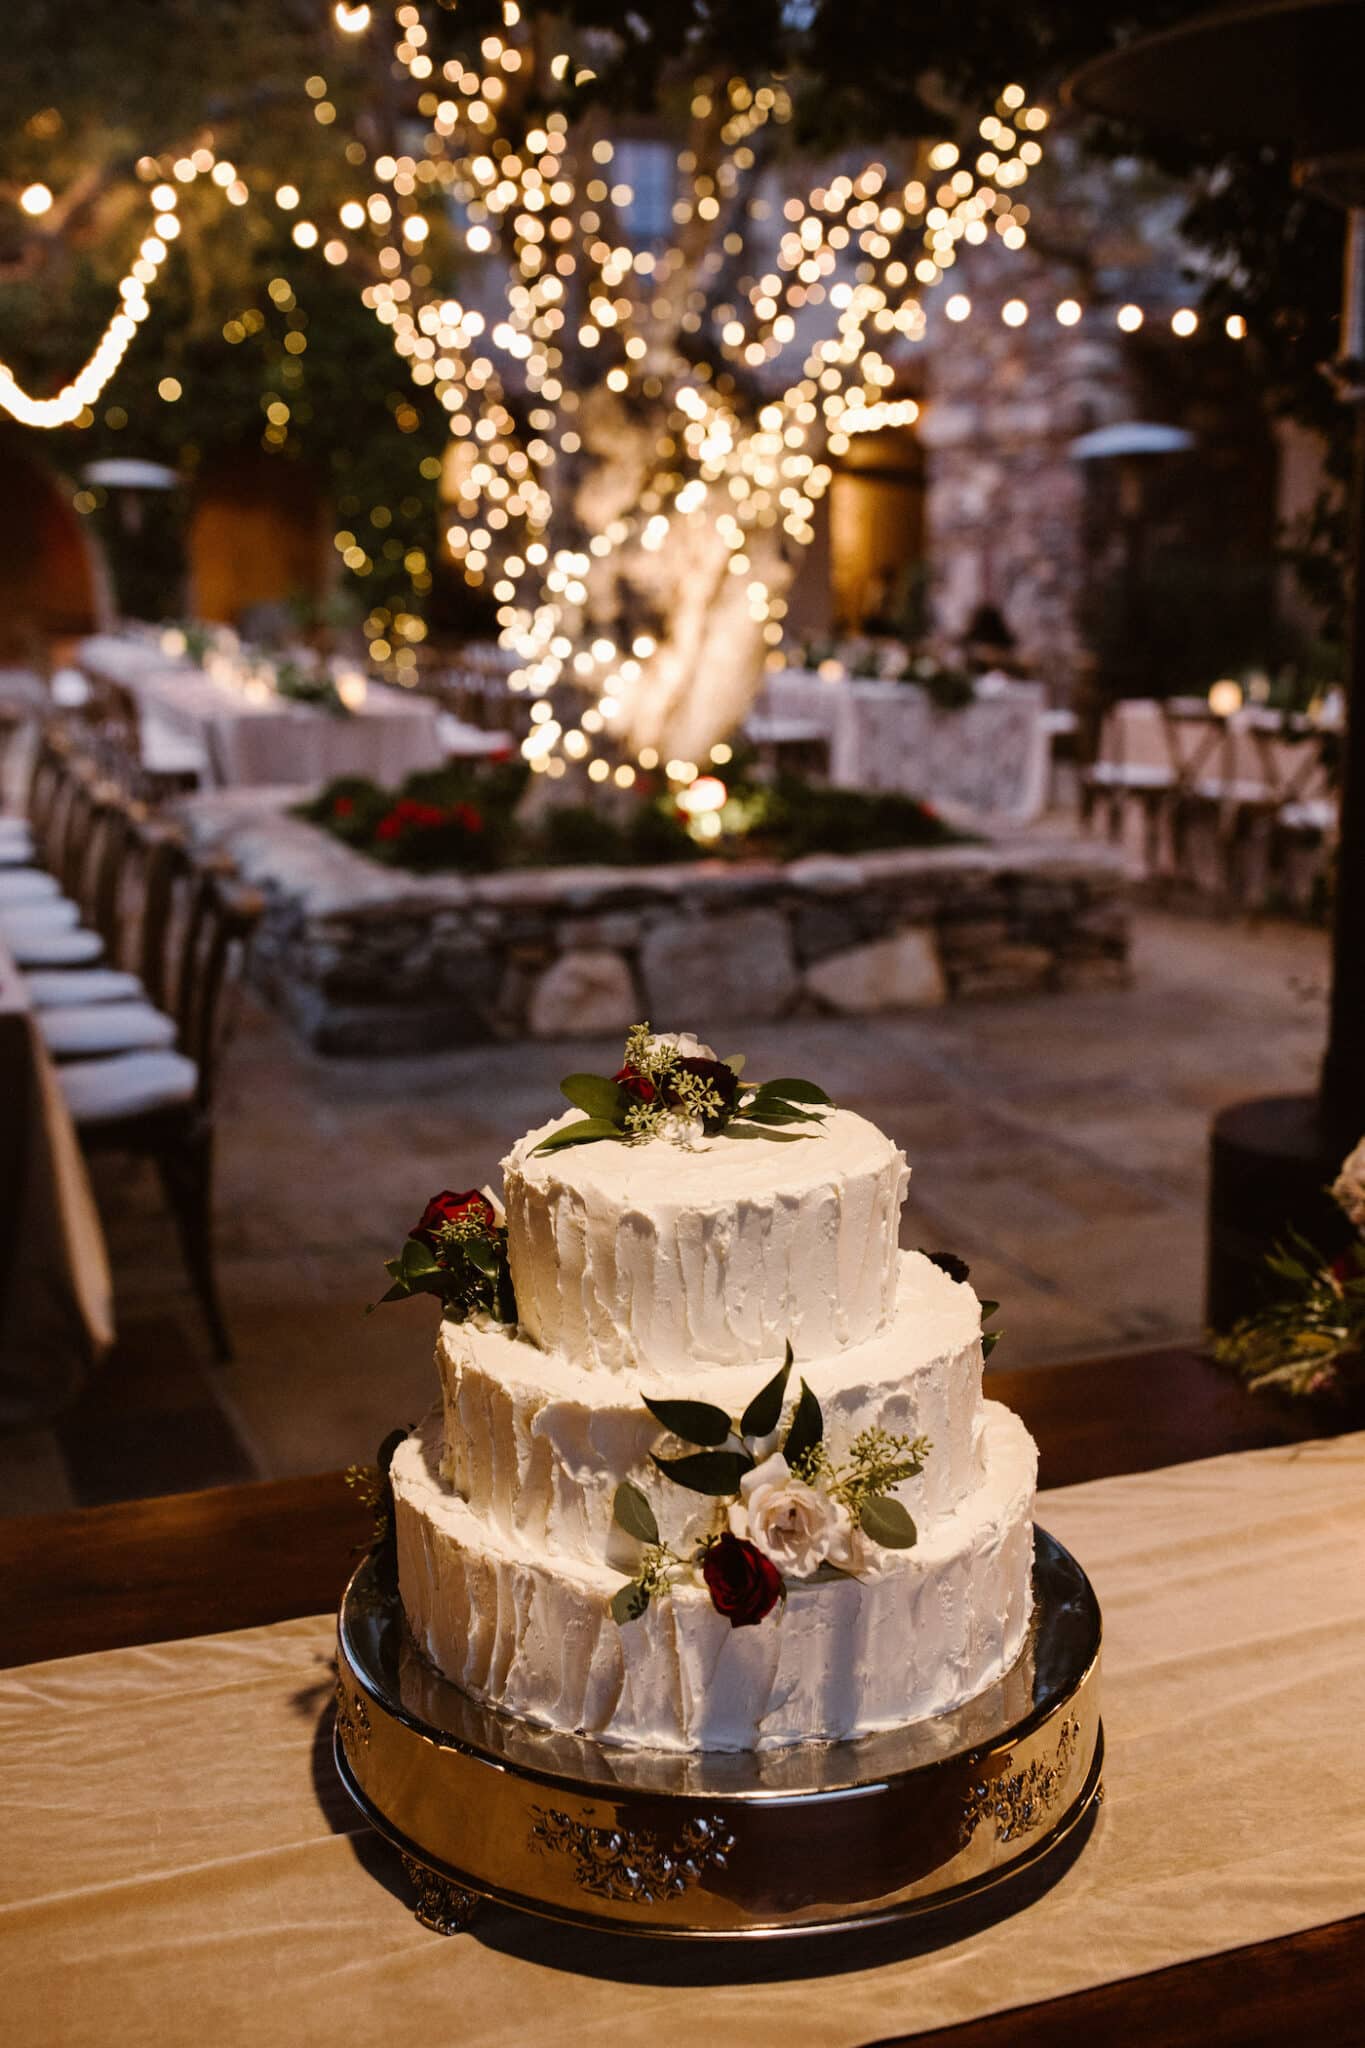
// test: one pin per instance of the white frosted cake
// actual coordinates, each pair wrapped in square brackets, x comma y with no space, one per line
[728,1480]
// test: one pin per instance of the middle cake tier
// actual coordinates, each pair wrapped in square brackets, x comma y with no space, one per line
[537,1446]
[633,1256]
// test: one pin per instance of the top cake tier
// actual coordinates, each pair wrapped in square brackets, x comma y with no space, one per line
[646,1255]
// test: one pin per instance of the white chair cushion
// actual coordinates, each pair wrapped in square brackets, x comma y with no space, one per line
[105,1091]
[20,887]
[26,920]
[14,855]
[78,948]
[64,986]
[15,834]
[92,1030]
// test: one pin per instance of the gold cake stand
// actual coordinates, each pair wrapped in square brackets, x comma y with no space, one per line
[791,1841]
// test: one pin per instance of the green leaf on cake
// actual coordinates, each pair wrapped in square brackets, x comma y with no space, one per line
[596,1096]
[807,1429]
[764,1412]
[988,1309]
[887,1522]
[989,1340]
[777,1113]
[696,1422]
[714,1472]
[629,1603]
[750,1129]
[416,1262]
[586,1132]
[482,1254]
[796,1091]
[634,1513]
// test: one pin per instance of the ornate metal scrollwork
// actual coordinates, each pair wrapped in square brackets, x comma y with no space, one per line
[632,1864]
[1020,1801]
[353,1719]
[442,1905]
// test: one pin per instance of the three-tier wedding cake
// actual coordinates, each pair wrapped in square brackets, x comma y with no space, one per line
[711,1468]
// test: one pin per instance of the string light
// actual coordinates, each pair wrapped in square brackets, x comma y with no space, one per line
[35,200]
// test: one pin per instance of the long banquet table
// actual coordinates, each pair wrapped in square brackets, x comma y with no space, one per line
[56,1295]
[176,1840]
[251,741]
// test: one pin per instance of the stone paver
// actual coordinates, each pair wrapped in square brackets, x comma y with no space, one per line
[1058,1143]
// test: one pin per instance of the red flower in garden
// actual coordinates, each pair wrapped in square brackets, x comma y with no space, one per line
[744,1584]
[470,1208]
[343,807]
[390,826]
[635,1083]
[469,817]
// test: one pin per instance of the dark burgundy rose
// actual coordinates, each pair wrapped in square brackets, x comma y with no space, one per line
[470,1207]
[744,1584]
[635,1083]
[949,1263]
[723,1079]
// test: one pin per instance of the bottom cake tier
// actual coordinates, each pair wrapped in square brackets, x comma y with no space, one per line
[920,1632]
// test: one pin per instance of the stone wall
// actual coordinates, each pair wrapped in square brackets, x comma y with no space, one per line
[363,959]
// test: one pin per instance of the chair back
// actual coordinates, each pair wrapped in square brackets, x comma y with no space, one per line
[217,917]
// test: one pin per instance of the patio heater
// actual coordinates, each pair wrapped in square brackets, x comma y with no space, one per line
[1284,72]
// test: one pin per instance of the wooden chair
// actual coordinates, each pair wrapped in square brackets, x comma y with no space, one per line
[158,1103]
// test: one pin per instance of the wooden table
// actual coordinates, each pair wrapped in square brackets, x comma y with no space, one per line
[56,1297]
[236,1557]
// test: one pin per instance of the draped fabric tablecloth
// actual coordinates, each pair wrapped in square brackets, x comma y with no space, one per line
[56,1293]
[991,758]
[180,1865]
[249,743]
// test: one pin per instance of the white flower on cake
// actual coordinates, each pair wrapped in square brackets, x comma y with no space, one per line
[790,1522]
[1348,1188]
[684,1045]
[676,1127]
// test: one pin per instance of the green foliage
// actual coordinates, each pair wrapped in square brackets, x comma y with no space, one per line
[764,1412]
[1310,1338]
[634,1513]
[714,1472]
[793,818]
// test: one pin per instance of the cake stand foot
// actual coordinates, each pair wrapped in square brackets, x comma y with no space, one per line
[444,1907]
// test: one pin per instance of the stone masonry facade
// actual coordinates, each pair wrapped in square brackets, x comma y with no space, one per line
[366,960]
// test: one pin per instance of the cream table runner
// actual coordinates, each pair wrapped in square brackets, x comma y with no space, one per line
[179,1865]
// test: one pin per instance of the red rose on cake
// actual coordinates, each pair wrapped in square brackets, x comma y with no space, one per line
[744,1585]
[467,1215]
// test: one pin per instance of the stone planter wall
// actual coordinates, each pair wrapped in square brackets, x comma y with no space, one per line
[363,959]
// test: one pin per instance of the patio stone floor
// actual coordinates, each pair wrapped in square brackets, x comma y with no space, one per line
[1058,1143]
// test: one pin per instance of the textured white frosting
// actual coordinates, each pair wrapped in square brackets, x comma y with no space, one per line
[920,1632]
[537,1445]
[627,1257]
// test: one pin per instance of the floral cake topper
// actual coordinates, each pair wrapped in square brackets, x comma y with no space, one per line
[782,1515]
[671,1086]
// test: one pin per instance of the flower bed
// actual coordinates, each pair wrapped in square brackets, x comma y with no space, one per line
[365,957]
[472,821]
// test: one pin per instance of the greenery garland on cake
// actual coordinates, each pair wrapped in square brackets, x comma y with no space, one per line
[783,1516]
[671,1086]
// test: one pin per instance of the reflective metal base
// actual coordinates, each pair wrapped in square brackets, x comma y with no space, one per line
[785,1841]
